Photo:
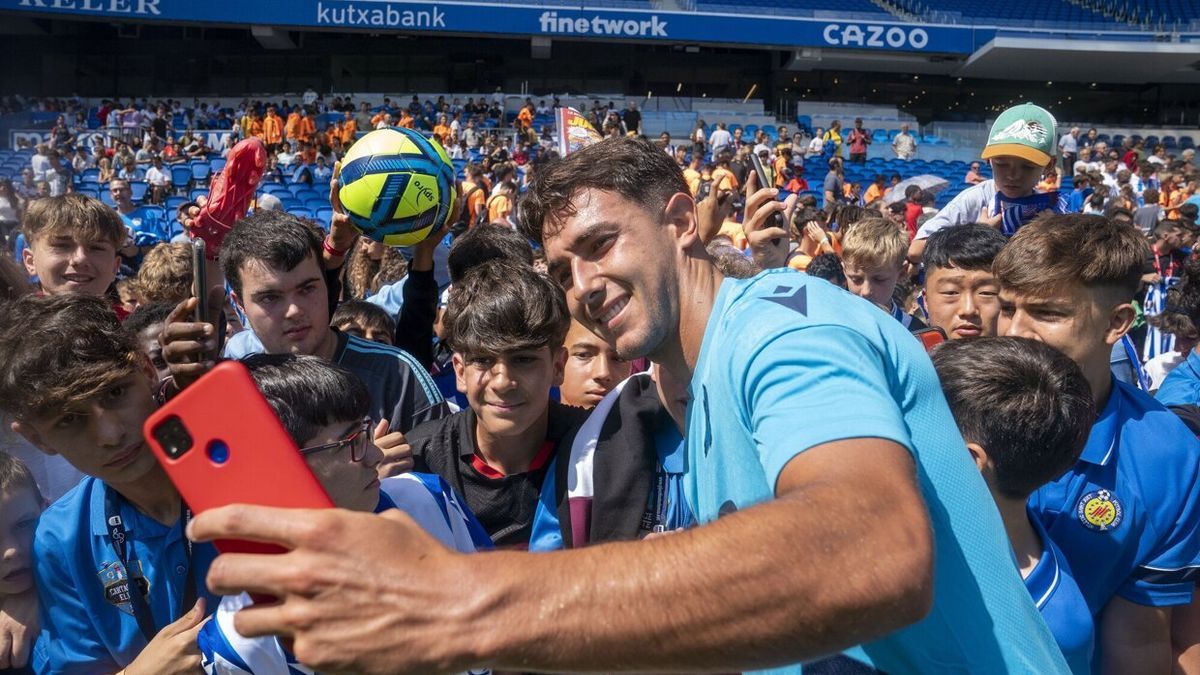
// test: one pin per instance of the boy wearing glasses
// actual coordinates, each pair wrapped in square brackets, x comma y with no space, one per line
[324,409]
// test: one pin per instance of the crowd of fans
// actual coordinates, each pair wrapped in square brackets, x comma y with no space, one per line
[621,344]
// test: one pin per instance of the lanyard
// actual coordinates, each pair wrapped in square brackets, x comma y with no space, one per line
[1172,266]
[118,535]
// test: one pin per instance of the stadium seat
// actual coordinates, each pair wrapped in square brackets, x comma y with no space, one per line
[301,212]
[316,203]
[139,189]
[106,197]
[216,164]
[1186,142]
[200,171]
[181,177]
[196,193]
[174,202]
[90,175]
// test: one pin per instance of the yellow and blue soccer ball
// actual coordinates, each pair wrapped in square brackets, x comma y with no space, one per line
[397,186]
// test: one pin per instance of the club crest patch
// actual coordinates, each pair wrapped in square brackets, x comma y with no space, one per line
[115,580]
[1099,511]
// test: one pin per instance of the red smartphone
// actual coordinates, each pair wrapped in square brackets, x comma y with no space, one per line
[930,337]
[221,443]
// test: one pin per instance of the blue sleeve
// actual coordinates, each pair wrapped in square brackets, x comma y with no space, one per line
[67,642]
[1168,574]
[815,385]
[546,534]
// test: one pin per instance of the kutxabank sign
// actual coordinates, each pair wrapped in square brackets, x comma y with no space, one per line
[497,19]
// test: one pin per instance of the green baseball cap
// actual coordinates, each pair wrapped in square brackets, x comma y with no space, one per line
[1026,131]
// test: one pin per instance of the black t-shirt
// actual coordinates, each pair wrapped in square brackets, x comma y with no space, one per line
[633,120]
[504,505]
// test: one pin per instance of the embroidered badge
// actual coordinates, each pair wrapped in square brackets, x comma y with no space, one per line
[1100,511]
[115,580]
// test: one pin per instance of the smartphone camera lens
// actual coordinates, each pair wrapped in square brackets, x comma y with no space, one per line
[173,437]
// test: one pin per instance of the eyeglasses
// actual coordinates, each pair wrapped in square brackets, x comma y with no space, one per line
[357,442]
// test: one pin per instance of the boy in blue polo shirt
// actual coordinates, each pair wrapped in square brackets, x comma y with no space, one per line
[1025,410]
[1126,515]
[119,584]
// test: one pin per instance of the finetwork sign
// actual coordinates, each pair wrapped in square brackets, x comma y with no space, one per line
[551,22]
[388,17]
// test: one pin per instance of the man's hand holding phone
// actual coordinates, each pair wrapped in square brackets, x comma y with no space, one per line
[768,241]
[174,649]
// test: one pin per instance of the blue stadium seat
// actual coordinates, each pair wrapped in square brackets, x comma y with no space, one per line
[181,177]
[139,189]
[106,197]
[200,171]
[301,212]
[316,203]
[174,202]
[196,193]
[216,164]
[90,175]
[325,215]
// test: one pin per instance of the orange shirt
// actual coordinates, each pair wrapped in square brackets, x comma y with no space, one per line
[733,230]
[256,128]
[377,118]
[307,128]
[272,129]
[723,179]
[693,180]
[498,208]
[1048,185]
[526,117]
[406,121]
[442,132]
[874,192]
[780,166]
[475,199]
[291,128]
[349,129]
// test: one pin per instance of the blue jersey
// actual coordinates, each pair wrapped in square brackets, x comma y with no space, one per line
[1126,515]
[426,498]
[1182,385]
[88,624]
[790,362]
[148,226]
[1053,589]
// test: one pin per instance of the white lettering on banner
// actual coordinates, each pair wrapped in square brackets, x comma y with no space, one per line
[106,6]
[854,35]
[212,139]
[388,17]
[551,22]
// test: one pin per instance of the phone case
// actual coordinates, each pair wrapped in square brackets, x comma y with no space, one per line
[226,418]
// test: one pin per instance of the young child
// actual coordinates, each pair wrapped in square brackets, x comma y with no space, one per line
[324,409]
[592,368]
[1069,281]
[506,325]
[20,505]
[1025,410]
[961,293]
[1019,148]
[873,256]
[365,320]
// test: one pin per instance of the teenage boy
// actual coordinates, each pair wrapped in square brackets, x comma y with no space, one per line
[272,261]
[1024,410]
[592,368]
[506,324]
[962,296]
[1019,148]
[72,244]
[873,256]
[120,585]
[20,505]
[324,409]
[1126,515]
[1162,270]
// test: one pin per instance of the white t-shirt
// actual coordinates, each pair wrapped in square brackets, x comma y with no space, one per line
[157,176]
[963,209]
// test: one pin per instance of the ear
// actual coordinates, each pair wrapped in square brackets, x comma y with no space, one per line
[27,259]
[460,372]
[680,214]
[30,434]
[981,459]
[1120,320]
[560,364]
